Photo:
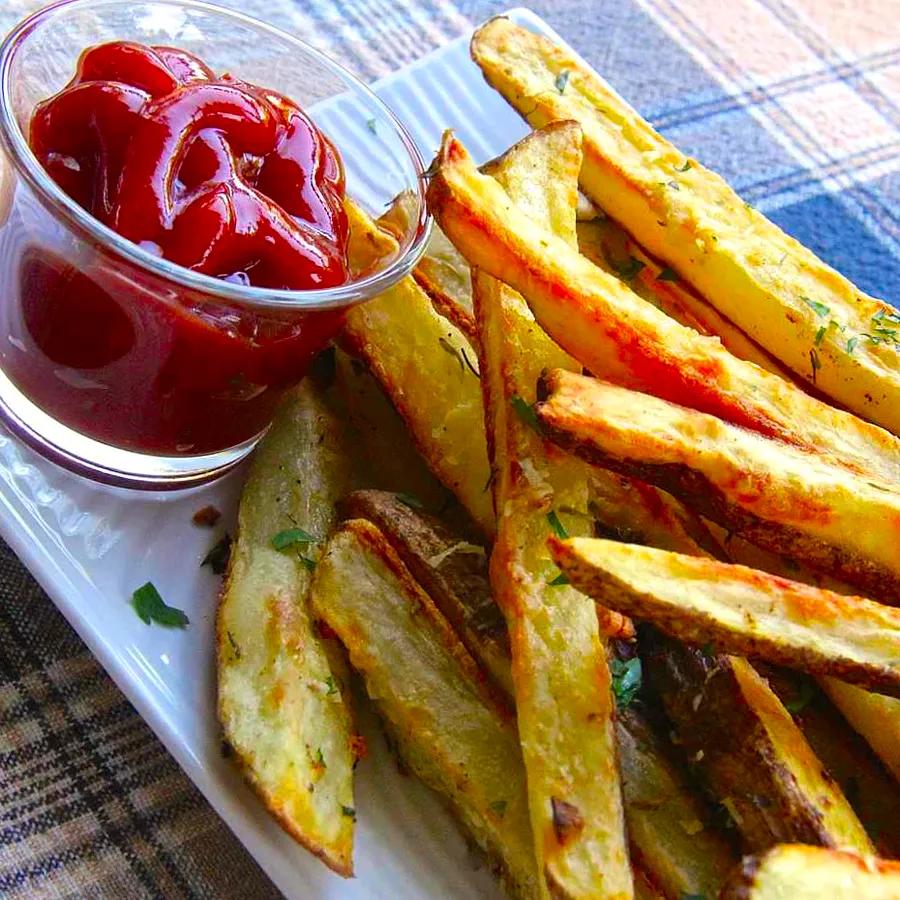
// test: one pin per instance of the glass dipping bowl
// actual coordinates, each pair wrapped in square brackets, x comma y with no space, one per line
[188,369]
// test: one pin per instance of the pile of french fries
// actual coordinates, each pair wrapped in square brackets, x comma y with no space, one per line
[601,507]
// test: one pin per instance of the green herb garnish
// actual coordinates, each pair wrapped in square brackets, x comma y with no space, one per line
[815,362]
[820,309]
[667,274]
[330,684]
[526,414]
[562,80]
[630,270]
[370,124]
[804,697]
[308,564]
[687,165]
[627,676]
[558,528]
[409,500]
[291,536]
[560,580]
[851,344]
[235,649]
[218,555]
[151,607]
[348,811]
[820,334]
[499,807]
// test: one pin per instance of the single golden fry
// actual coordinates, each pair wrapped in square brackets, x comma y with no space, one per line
[776,290]
[741,610]
[783,498]
[560,675]
[811,873]
[281,702]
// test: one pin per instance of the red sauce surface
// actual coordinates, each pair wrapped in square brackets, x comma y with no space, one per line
[217,175]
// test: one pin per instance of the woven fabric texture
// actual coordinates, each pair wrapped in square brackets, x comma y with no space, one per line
[796,102]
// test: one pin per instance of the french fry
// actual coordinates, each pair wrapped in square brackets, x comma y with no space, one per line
[607,245]
[561,680]
[667,827]
[875,717]
[741,610]
[447,727]
[425,365]
[280,700]
[776,290]
[603,324]
[811,873]
[783,498]
[445,276]
[864,780]
[753,757]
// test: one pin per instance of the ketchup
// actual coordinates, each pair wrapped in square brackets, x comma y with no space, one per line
[216,175]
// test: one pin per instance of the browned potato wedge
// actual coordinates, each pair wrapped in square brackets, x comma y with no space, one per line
[565,710]
[667,827]
[741,610]
[426,367]
[812,873]
[280,700]
[751,753]
[775,289]
[452,570]
[444,275]
[783,498]
[866,783]
[610,330]
[448,729]
[607,245]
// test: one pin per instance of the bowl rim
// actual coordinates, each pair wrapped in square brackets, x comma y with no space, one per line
[27,165]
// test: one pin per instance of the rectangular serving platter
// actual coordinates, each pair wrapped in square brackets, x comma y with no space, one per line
[90,546]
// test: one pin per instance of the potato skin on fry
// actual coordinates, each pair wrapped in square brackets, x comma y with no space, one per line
[812,873]
[784,499]
[753,756]
[741,610]
[779,292]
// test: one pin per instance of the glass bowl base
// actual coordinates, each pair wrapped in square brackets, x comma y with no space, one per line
[104,463]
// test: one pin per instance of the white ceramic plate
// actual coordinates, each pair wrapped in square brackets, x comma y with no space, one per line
[91,546]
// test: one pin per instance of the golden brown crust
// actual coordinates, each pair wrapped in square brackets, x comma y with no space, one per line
[572,414]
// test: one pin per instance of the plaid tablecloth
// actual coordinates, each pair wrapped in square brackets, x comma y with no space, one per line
[796,102]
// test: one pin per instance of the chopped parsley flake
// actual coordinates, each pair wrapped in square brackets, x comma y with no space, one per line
[330,684]
[526,414]
[320,759]
[804,697]
[370,124]
[627,676]
[218,555]
[558,528]
[820,309]
[409,500]
[687,165]
[820,334]
[291,536]
[815,362]
[348,811]
[667,274]
[308,564]
[235,649]
[630,270]
[562,80]
[499,807]
[560,580]
[151,607]
[851,344]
